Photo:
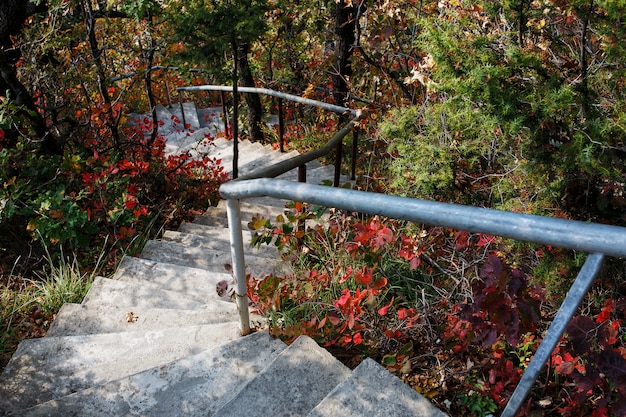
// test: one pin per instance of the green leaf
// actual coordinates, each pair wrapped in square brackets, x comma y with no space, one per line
[389,360]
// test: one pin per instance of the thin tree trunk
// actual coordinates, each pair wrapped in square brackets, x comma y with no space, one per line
[345,26]
[235,111]
[149,57]
[255,109]
[102,79]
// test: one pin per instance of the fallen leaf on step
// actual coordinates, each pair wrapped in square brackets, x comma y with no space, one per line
[221,287]
[131,317]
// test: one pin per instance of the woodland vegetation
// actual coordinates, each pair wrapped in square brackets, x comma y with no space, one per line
[517,105]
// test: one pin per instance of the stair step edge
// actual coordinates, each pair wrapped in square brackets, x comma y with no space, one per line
[193,386]
[298,379]
[379,394]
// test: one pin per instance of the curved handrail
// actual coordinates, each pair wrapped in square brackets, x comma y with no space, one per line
[597,239]
[300,160]
[569,234]
[327,106]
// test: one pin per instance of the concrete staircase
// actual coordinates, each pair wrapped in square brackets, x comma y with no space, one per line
[161,337]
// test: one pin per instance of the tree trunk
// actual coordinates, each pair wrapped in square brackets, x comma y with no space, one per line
[148,54]
[12,15]
[255,109]
[345,26]
[102,79]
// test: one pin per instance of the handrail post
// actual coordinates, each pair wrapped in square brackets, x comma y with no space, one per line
[302,173]
[338,156]
[182,108]
[355,144]
[169,94]
[224,112]
[576,293]
[233,211]
[281,125]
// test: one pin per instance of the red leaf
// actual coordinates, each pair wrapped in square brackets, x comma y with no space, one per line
[607,309]
[357,339]
[383,236]
[333,318]
[379,283]
[363,276]
[385,309]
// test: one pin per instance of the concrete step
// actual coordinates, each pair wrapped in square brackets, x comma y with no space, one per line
[249,210]
[211,117]
[249,153]
[194,386]
[191,114]
[217,216]
[264,160]
[52,367]
[188,142]
[215,238]
[182,279]
[371,391]
[174,253]
[83,319]
[263,207]
[301,376]
[111,292]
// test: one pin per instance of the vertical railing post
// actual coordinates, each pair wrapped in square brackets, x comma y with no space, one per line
[281,125]
[224,112]
[338,156]
[302,173]
[576,293]
[182,108]
[239,268]
[355,145]
[235,132]
[169,94]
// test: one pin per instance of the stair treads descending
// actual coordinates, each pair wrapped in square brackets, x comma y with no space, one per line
[182,142]
[261,161]
[174,253]
[211,117]
[52,367]
[371,391]
[105,291]
[213,238]
[292,385]
[194,386]
[158,340]
[171,277]
[191,114]
[217,216]
[83,319]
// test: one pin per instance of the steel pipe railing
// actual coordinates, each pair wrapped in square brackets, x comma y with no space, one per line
[570,234]
[598,239]
[334,143]
[268,92]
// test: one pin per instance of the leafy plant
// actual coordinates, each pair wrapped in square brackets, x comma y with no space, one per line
[62,283]
[592,357]
[478,404]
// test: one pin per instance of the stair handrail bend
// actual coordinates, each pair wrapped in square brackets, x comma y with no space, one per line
[336,140]
[258,90]
[598,240]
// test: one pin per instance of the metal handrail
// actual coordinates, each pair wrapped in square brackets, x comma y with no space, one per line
[300,160]
[597,239]
[310,102]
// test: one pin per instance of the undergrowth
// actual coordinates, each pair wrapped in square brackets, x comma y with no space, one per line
[28,306]
[456,315]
